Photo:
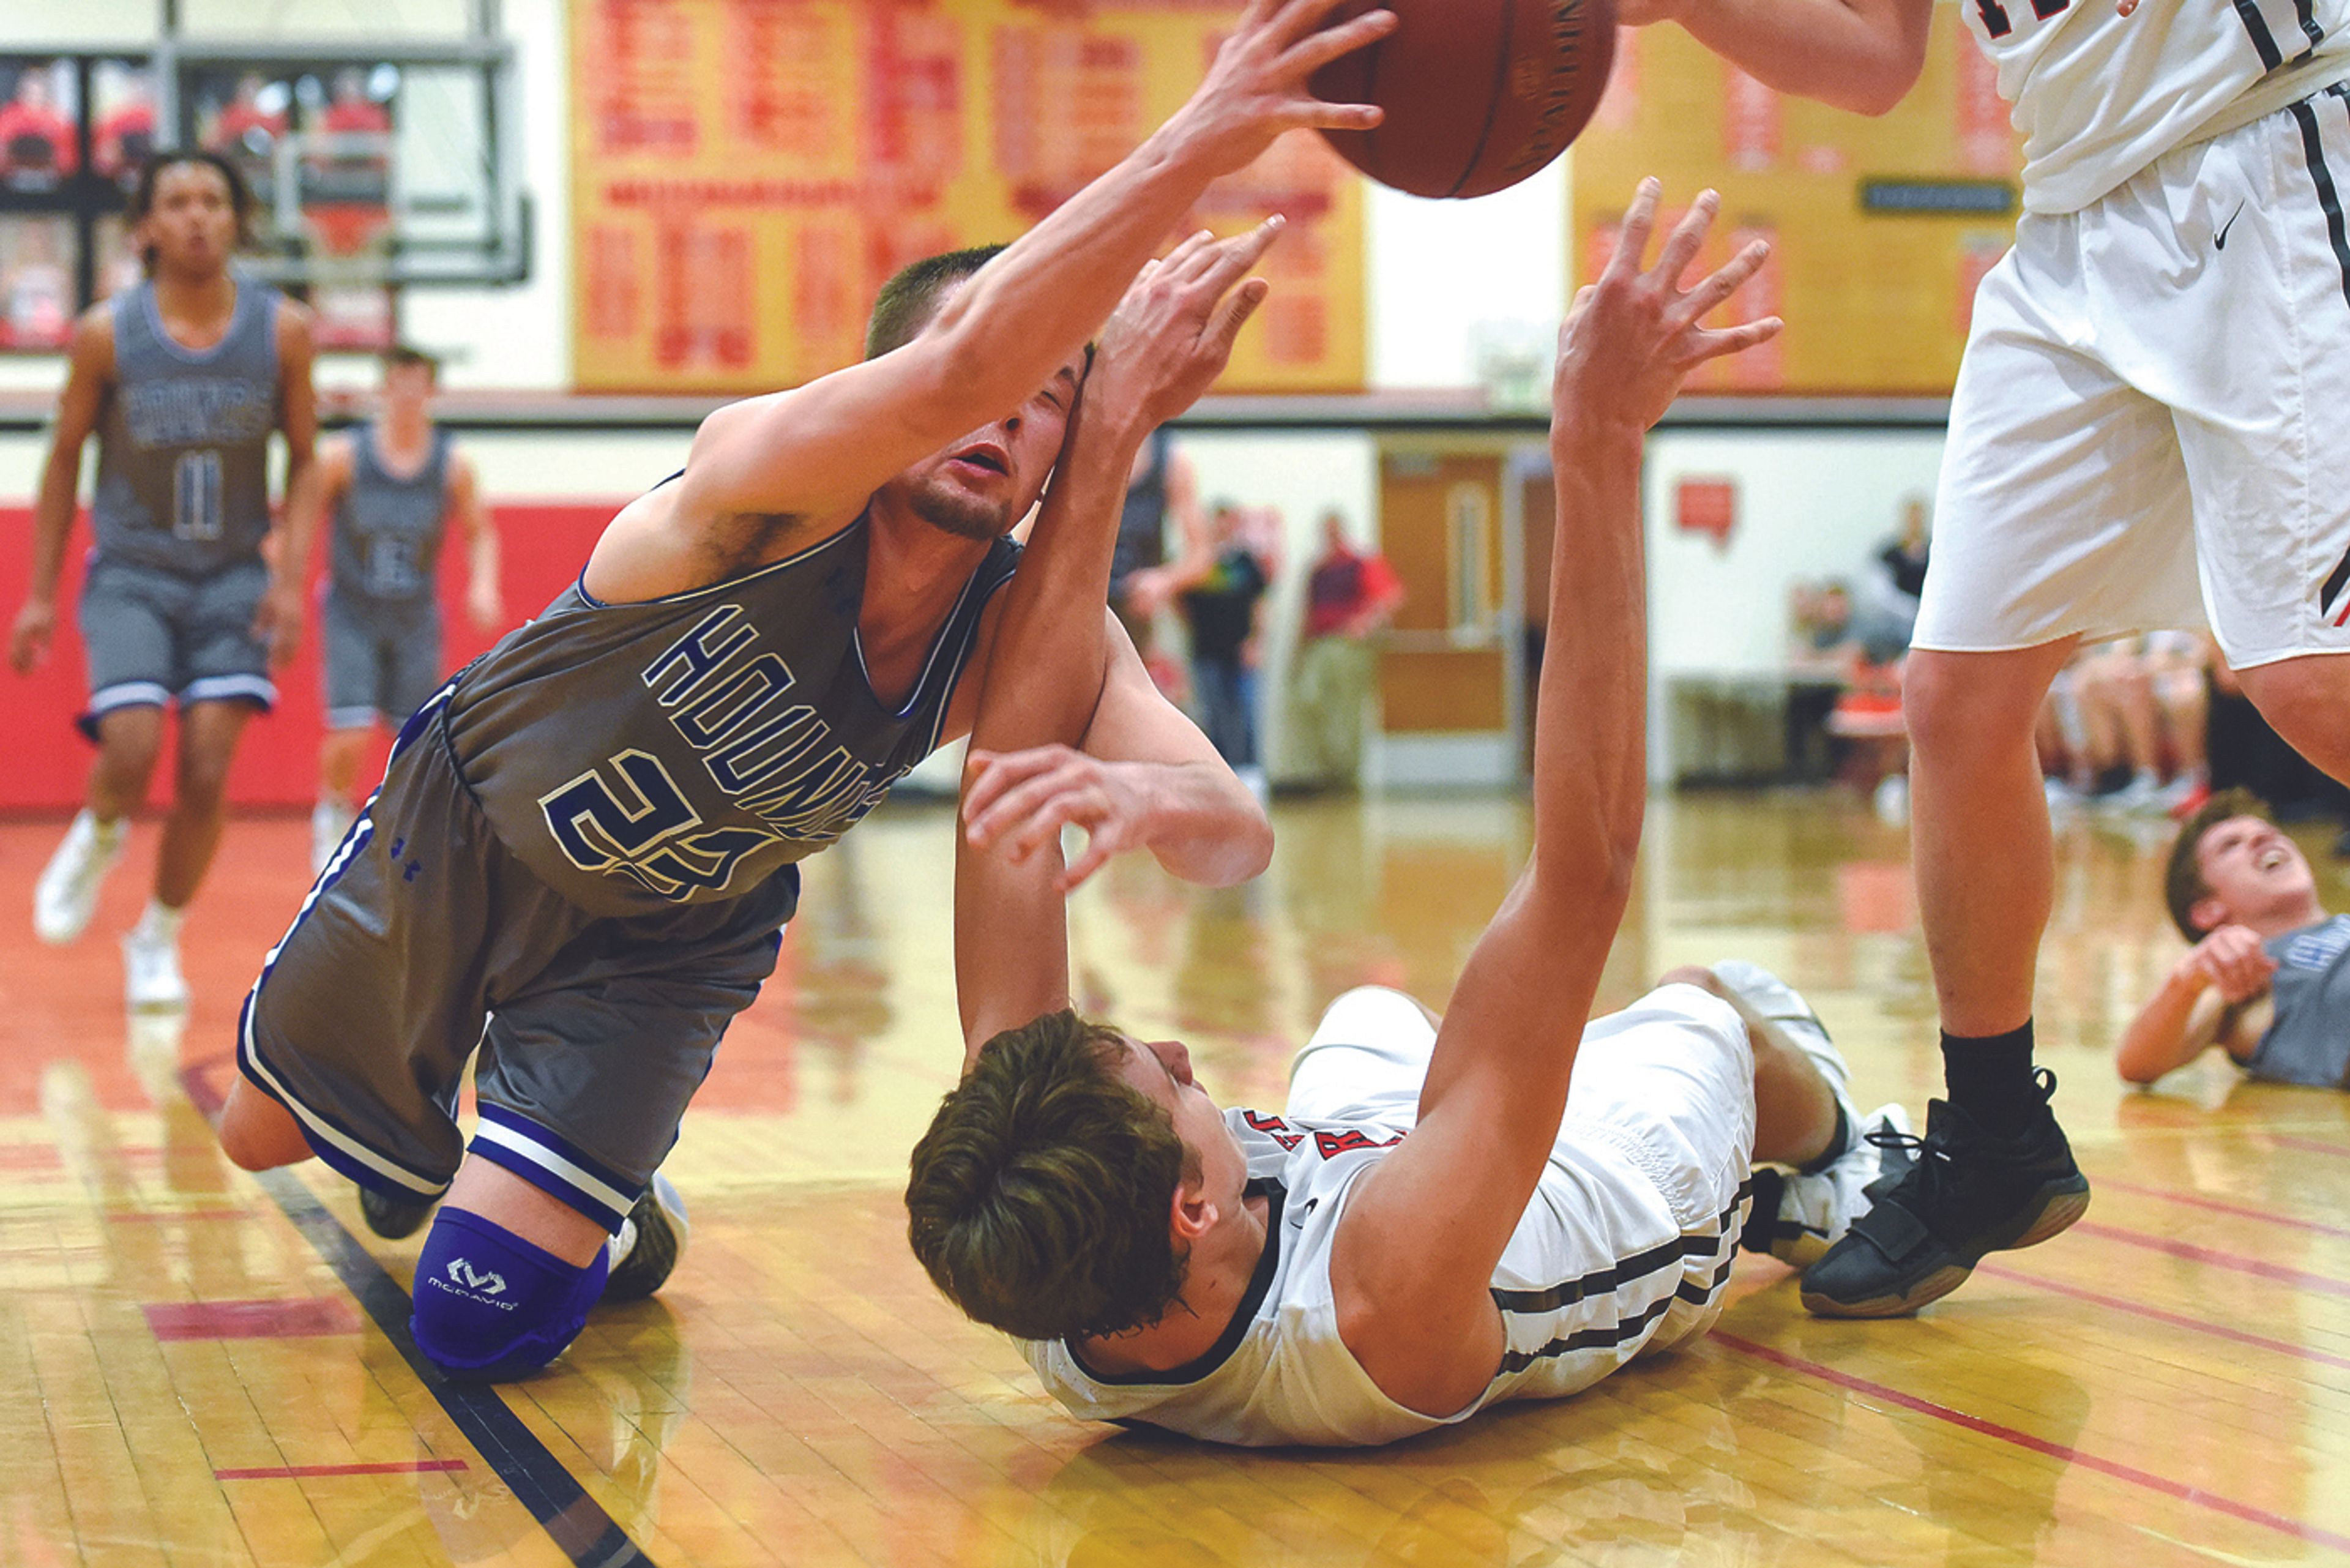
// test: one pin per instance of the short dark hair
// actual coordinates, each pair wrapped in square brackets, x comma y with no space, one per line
[908,300]
[150,172]
[2183,886]
[1039,1199]
[401,356]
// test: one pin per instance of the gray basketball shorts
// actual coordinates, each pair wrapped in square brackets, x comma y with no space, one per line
[152,635]
[379,660]
[424,939]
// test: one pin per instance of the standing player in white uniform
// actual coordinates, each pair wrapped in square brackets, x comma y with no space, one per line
[1505,1205]
[2152,394]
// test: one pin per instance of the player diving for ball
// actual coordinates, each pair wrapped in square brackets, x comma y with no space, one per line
[2148,398]
[1502,1204]
[588,839]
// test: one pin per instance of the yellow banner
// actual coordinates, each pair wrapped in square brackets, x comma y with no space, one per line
[745,173]
[1880,228]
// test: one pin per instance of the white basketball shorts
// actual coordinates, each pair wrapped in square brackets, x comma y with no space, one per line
[2157,390]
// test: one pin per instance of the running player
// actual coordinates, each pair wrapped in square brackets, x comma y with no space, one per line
[589,838]
[2146,397]
[1558,1207]
[391,487]
[182,377]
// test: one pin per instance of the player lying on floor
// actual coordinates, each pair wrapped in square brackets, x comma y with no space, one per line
[1502,1204]
[2267,980]
[588,843]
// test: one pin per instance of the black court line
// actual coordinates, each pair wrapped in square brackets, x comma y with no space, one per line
[587,1535]
[578,1523]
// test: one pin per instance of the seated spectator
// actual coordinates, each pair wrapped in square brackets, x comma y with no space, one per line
[1351,596]
[2133,716]
[2268,978]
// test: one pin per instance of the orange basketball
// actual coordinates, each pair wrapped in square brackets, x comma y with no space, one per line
[1479,94]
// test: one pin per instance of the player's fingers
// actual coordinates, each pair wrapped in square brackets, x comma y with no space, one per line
[1704,346]
[1632,236]
[1232,259]
[1232,315]
[1312,114]
[1099,847]
[996,774]
[1021,802]
[1312,53]
[1295,19]
[1193,245]
[1710,292]
[1681,244]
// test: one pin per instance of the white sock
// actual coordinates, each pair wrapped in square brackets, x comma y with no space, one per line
[105,830]
[158,924]
[624,1242]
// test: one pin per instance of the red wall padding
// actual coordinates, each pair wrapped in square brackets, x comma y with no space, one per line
[44,761]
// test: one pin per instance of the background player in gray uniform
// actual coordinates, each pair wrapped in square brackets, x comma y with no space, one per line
[2268,978]
[588,839]
[1505,1205]
[182,377]
[389,488]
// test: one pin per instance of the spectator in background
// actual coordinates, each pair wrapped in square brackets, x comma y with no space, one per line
[36,139]
[1220,586]
[1351,596]
[125,134]
[36,291]
[1162,484]
[250,123]
[1884,611]
[2132,717]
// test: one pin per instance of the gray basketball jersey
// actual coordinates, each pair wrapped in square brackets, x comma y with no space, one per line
[184,446]
[2309,1043]
[636,757]
[388,530]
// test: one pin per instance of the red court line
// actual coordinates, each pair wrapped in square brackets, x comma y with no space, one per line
[2176,1320]
[298,1473]
[301,1317]
[2063,1452]
[2325,1284]
[2240,1210]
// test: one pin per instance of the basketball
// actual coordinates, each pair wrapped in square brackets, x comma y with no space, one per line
[1479,94]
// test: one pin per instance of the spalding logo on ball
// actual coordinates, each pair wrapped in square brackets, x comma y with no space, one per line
[1479,94]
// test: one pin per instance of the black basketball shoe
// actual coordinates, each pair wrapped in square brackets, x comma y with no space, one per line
[652,1241]
[394,1219]
[1968,1194]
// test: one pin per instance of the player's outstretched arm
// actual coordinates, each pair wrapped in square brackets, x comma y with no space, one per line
[817,451]
[2217,994]
[1418,1243]
[1043,674]
[89,375]
[1860,55]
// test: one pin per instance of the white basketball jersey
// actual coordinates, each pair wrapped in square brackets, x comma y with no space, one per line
[1591,1278]
[2099,96]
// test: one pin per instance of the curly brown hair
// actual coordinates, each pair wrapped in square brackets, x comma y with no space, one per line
[1038,1199]
[2183,886]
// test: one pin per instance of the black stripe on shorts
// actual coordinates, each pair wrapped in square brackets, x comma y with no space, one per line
[1626,1270]
[2329,199]
[2256,28]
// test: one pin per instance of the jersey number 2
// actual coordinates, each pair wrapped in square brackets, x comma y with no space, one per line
[1994,14]
[196,496]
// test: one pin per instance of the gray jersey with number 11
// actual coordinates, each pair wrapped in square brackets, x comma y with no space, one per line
[183,448]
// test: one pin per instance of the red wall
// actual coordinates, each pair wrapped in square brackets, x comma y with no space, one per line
[44,760]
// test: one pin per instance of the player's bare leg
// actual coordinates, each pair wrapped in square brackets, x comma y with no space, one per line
[1995,1170]
[339,756]
[256,1133]
[191,833]
[66,893]
[2307,701]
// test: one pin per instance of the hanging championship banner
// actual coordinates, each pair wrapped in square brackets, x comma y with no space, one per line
[1880,228]
[745,173]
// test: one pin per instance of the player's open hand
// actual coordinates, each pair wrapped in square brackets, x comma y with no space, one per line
[1174,330]
[277,622]
[2232,961]
[1256,90]
[1017,803]
[28,638]
[1634,334]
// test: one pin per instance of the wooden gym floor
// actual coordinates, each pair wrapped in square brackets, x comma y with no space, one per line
[193,1369]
